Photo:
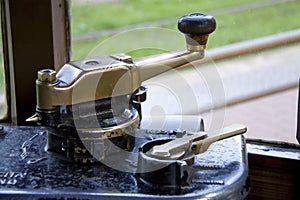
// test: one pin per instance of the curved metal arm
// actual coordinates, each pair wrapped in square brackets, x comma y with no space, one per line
[151,66]
[196,143]
[107,76]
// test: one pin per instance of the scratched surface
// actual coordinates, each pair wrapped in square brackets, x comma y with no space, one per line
[27,171]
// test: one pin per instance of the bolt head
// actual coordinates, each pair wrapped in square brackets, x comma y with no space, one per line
[47,75]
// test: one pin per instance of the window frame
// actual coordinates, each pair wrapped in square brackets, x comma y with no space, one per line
[35,36]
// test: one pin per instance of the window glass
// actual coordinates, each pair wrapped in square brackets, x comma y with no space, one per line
[256,76]
[95,20]
[3,106]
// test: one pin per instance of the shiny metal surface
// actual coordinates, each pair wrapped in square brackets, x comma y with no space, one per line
[104,77]
[47,75]
[221,173]
[109,76]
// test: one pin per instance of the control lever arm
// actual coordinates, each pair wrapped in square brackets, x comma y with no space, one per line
[195,144]
[120,74]
[196,27]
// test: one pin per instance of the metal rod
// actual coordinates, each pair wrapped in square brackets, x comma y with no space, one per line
[151,66]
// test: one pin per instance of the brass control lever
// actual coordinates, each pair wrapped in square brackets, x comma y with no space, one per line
[195,143]
[196,27]
[120,74]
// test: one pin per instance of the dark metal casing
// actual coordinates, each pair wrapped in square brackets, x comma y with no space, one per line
[220,173]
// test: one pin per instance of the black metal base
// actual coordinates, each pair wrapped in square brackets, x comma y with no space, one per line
[27,171]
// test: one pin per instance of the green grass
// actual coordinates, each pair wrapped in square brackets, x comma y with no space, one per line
[256,23]
[93,17]
[231,28]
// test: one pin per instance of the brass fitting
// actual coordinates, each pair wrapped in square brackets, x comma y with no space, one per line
[47,75]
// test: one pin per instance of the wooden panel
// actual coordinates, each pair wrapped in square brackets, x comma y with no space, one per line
[36,43]
[274,172]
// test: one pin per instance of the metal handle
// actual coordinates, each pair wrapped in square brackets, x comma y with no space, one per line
[220,134]
[176,149]
[121,71]
[196,27]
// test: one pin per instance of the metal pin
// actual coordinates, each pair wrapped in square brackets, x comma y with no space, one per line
[201,128]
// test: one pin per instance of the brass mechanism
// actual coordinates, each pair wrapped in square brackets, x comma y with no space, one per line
[92,109]
[108,89]
[119,74]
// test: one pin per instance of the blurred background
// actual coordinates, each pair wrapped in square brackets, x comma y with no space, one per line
[237,20]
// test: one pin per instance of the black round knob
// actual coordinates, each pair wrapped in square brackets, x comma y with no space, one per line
[196,27]
[196,24]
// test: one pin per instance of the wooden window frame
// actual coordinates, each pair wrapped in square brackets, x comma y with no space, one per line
[36,35]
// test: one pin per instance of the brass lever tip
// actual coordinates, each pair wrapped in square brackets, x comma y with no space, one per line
[34,118]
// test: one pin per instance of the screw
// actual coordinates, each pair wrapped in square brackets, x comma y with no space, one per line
[194,147]
[47,75]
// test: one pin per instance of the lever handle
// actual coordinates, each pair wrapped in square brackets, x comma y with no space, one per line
[196,27]
[220,134]
[128,74]
[176,148]
[195,143]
